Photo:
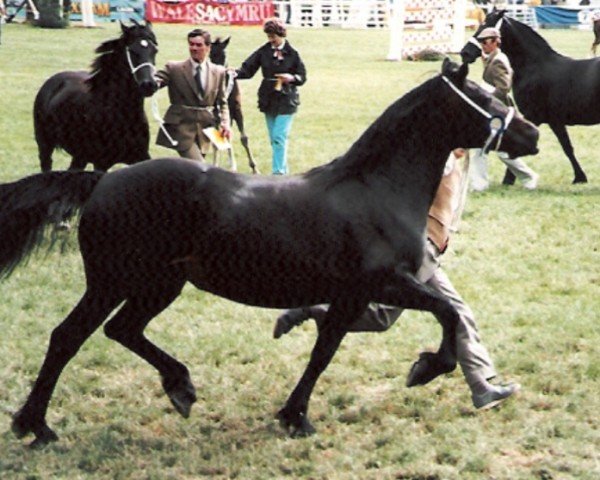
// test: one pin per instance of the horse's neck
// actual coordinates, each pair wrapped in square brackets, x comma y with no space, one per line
[116,84]
[403,153]
[524,47]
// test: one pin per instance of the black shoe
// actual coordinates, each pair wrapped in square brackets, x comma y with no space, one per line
[290,319]
[494,396]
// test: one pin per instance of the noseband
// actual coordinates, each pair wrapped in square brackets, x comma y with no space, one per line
[496,130]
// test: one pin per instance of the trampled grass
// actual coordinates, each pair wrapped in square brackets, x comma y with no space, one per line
[527,263]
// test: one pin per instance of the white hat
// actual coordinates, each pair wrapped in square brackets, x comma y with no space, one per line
[489,32]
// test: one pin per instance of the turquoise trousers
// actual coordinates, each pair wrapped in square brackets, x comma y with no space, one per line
[279,128]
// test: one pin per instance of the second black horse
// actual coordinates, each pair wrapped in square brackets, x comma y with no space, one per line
[548,87]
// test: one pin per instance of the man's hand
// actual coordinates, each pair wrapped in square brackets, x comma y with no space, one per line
[225,132]
[285,77]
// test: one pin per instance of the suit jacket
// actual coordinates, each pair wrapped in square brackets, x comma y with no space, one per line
[498,73]
[189,112]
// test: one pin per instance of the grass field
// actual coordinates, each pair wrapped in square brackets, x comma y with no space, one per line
[527,263]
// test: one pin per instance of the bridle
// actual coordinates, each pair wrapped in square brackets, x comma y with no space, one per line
[135,68]
[498,125]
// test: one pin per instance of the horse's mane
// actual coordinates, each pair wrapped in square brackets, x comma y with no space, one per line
[379,140]
[530,36]
[107,54]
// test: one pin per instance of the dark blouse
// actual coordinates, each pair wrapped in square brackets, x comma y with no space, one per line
[271,61]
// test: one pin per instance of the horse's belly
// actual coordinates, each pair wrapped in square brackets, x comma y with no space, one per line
[277,287]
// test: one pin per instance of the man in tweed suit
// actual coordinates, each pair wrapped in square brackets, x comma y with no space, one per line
[498,74]
[196,89]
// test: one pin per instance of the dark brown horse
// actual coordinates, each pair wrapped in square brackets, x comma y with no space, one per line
[346,233]
[218,55]
[548,87]
[596,23]
[98,117]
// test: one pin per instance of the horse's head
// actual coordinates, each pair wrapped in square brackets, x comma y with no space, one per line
[140,50]
[218,55]
[481,119]
[472,50]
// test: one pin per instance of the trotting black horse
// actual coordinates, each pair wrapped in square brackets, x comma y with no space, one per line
[548,87]
[98,117]
[346,233]
[218,55]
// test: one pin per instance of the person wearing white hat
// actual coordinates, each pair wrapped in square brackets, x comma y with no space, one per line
[498,74]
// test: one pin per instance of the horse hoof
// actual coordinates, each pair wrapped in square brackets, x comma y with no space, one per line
[426,368]
[296,427]
[582,179]
[182,396]
[21,426]
[43,437]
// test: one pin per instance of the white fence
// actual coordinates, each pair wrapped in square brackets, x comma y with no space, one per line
[334,13]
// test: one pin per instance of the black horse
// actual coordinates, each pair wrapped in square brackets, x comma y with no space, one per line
[596,28]
[218,56]
[548,87]
[98,117]
[345,233]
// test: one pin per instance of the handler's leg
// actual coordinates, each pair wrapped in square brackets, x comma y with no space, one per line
[279,129]
[473,357]
[478,171]
[519,168]
[193,153]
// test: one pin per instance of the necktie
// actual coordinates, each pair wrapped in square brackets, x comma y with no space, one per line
[199,80]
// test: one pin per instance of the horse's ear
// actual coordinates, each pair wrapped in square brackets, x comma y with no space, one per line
[124,27]
[449,67]
[226,41]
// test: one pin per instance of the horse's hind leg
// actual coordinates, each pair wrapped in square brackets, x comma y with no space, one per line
[563,137]
[293,416]
[127,328]
[251,162]
[45,147]
[65,341]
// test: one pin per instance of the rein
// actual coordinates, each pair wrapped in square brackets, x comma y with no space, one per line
[496,131]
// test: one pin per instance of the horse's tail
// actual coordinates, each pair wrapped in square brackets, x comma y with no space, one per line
[28,205]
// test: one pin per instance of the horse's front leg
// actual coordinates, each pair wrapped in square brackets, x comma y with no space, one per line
[293,416]
[231,158]
[407,292]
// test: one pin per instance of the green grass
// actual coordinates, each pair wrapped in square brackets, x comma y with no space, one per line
[527,263]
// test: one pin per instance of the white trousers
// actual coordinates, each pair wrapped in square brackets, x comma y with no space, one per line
[478,170]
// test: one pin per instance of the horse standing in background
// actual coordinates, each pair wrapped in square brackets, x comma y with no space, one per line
[596,28]
[98,117]
[234,102]
[548,87]
[346,233]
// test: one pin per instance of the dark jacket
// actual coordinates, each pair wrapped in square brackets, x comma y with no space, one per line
[271,101]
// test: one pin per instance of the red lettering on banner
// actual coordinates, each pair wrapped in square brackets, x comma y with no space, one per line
[208,12]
